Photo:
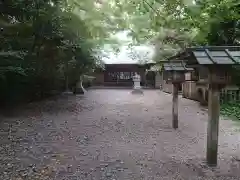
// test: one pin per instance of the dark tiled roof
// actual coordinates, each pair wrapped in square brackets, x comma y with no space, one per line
[176,66]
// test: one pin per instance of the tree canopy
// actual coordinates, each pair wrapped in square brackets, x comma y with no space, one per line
[174,24]
[45,41]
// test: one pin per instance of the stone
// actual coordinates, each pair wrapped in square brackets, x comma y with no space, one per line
[120,169]
[108,174]
[69,169]
[84,153]
[92,169]
[104,164]
[9,165]
[121,162]
[137,87]
[118,166]
[85,138]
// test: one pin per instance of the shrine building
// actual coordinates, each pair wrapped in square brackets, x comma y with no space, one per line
[121,75]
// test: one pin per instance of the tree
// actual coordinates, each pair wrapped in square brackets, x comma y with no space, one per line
[45,41]
[42,43]
[140,55]
[172,25]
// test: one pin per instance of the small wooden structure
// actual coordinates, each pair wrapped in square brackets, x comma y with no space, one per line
[174,72]
[217,60]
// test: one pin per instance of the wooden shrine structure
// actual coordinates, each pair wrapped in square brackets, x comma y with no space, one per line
[217,61]
[174,72]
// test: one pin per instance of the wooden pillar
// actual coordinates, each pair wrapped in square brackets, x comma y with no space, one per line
[213,124]
[175,106]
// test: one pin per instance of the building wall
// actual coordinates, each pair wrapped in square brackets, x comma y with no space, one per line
[189,90]
[196,90]
[199,92]
[167,87]
[143,76]
[119,75]
[99,78]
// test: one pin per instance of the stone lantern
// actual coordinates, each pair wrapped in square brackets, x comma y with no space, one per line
[217,61]
[136,86]
[174,72]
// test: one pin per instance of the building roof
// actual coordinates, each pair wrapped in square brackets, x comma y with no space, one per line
[220,55]
[155,68]
[210,55]
[126,64]
[146,65]
[177,65]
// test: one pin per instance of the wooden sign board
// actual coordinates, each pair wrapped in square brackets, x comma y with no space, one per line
[178,76]
[175,71]
[175,77]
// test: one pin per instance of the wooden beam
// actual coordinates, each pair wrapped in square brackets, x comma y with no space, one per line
[209,56]
[231,57]
[175,106]
[213,48]
[213,124]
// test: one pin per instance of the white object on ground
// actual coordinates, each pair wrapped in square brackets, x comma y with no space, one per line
[137,87]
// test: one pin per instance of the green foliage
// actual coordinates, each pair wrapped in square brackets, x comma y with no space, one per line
[44,43]
[172,25]
[231,110]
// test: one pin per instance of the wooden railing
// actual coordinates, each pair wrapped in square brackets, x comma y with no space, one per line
[230,95]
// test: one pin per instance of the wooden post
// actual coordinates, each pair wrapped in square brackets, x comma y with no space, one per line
[175,106]
[213,124]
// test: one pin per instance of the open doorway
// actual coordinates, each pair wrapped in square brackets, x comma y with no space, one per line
[150,79]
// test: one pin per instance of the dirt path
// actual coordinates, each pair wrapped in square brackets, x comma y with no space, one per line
[112,134]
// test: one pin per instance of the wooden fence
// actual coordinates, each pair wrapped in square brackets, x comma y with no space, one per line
[230,95]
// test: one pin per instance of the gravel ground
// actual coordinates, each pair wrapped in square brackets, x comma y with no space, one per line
[113,135]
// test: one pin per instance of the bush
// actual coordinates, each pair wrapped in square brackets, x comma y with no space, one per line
[231,110]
